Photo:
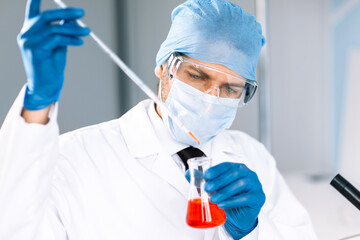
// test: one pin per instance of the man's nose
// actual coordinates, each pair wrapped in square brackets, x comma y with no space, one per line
[213,91]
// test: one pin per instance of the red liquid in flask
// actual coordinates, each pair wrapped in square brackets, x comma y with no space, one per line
[204,214]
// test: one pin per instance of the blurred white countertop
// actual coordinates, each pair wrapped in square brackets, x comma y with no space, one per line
[333,217]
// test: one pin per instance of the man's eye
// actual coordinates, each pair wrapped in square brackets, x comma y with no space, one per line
[194,76]
[231,90]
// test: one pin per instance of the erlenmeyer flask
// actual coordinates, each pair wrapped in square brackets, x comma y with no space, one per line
[201,213]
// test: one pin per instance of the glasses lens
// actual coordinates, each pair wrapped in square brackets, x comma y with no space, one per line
[250,90]
[212,81]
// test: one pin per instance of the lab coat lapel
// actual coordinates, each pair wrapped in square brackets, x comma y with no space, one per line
[170,205]
[167,169]
[164,185]
[165,177]
[143,142]
[138,132]
[156,194]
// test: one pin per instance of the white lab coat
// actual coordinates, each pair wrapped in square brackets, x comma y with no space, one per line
[117,180]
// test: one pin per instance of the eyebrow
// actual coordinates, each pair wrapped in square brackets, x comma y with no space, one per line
[235,85]
[199,71]
[207,76]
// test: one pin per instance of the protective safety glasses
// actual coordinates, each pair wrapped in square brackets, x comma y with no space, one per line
[211,80]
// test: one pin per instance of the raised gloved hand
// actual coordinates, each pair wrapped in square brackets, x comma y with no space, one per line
[43,45]
[236,189]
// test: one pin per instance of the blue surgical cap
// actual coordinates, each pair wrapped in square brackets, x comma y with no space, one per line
[215,31]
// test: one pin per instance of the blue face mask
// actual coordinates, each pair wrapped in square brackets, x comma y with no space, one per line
[201,113]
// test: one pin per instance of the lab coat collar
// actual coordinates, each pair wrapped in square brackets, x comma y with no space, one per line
[164,137]
[162,133]
[145,134]
[154,138]
[138,132]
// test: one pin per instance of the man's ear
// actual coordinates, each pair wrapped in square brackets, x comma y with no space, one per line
[158,71]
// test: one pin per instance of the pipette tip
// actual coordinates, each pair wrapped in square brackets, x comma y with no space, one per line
[193,136]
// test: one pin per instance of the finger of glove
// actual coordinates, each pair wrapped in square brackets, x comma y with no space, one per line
[46,18]
[70,22]
[244,200]
[224,175]
[231,190]
[56,41]
[68,30]
[33,8]
[59,14]
[216,170]
[222,168]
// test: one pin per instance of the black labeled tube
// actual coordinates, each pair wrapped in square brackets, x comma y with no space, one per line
[347,190]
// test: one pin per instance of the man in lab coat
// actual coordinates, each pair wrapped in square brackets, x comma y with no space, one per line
[124,179]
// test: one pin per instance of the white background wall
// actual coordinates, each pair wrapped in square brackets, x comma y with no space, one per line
[350,144]
[301,120]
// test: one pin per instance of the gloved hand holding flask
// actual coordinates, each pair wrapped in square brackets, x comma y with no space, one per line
[43,45]
[237,190]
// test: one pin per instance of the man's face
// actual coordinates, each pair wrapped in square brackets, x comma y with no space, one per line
[193,83]
[214,79]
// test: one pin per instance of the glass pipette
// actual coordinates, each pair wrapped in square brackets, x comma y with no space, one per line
[131,74]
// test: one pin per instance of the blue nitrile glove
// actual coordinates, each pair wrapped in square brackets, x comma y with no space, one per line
[43,45]
[237,190]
